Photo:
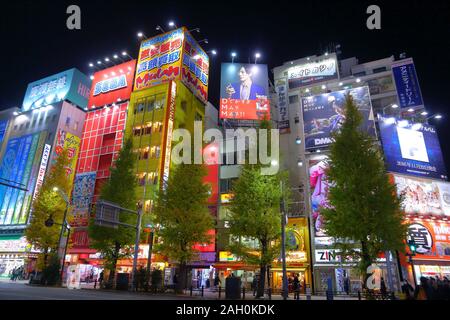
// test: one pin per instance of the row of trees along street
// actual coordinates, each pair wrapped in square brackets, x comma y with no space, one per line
[363,216]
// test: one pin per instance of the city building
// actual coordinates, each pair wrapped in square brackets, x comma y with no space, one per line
[309,94]
[50,119]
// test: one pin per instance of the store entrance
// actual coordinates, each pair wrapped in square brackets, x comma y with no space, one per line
[277,280]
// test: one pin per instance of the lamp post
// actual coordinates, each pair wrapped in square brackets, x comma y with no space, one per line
[285,292]
[63,226]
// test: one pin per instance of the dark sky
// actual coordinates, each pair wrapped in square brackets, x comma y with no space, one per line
[36,42]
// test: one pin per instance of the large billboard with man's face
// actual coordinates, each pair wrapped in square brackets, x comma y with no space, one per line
[243,92]
[412,148]
[324,115]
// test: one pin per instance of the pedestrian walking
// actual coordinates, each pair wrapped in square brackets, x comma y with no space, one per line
[408,290]
[217,281]
[383,289]
[255,284]
[296,287]
[100,279]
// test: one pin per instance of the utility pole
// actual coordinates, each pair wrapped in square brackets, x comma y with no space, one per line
[285,291]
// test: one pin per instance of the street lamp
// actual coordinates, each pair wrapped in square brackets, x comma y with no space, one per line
[172,24]
[393,106]
[257,56]
[159,28]
[435,116]
[141,35]
[233,55]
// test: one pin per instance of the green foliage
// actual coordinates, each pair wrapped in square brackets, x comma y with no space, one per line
[364,209]
[49,203]
[50,273]
[113,243]
[182,211]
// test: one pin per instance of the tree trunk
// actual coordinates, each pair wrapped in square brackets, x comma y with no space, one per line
[112,272]
[182,278]
[366,261]
[262,272]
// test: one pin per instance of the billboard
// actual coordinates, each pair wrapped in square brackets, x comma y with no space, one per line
[18,166]
[82,196]
[159,59]
[112,84]
[423,196]
[323,115]
[195,67]
[319,187]
[432,239]
[243,91]
[281,89]
[67,141]
[69,85]
[324,69]
[408,89]
[412,148]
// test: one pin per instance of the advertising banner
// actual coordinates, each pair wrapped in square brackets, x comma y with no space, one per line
[312,72]
[423,196]
[323,115]
[412,148]
[159,60]
[69,85]
[244,91]
[319,193]
[282,105]
[408,89]
[112,84]
[432,239]
[82,195]
[195,67]
[67,141]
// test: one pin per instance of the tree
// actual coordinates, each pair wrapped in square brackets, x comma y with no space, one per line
[364,212]
[255,215]
[182,211]
[49,203]
[115,244]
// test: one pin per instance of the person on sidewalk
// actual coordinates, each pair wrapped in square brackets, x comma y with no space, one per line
[296,287]
[255,284]
[100,279]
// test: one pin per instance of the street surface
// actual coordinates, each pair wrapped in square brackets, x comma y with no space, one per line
[20,290]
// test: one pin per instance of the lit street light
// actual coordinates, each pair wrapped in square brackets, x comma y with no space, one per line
[141,35]
[233,55]
[172,24]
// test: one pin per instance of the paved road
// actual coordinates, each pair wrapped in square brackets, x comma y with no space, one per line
[22,291]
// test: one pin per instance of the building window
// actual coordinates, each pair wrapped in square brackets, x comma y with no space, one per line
[137,131]
[159,103]
[377,70]
[184,106]
[293,99]
[198,117]
[145,155]
[157,152]
[68,121]
[358,74]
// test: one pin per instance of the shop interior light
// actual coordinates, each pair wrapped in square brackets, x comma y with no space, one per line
[403,123]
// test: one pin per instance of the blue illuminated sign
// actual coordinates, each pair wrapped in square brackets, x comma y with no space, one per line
[110,84]
[71,85]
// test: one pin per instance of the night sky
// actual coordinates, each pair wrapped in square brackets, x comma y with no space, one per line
[36,42]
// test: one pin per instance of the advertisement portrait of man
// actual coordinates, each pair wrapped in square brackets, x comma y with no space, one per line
[245,89]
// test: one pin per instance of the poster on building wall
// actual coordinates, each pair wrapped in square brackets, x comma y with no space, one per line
[319,186]
[407,83]
[432,239]
[412,148]
[324,115]
[67,141]
[82,196]
[281,89]
[244,91]
[423,196]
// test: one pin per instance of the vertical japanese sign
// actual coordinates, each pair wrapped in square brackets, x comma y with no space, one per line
[71,143]
[281,89]
[408,89]
[195,67]
[170,117]
[42,169]
[159,60]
